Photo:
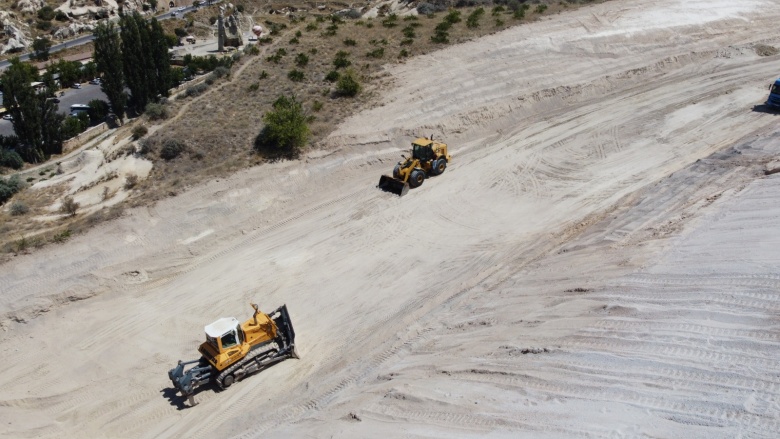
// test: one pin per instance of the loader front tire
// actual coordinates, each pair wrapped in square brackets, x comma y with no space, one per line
[397,172]
[416,179]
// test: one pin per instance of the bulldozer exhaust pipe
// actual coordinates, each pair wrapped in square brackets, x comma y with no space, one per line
[393,185]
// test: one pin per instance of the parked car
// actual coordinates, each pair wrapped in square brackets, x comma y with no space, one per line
[95,81]
[76,85]
[8,117]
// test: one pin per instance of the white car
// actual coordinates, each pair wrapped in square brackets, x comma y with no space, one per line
[95,81]
[8,117]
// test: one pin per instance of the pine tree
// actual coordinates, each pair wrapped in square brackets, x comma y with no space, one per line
[108,57]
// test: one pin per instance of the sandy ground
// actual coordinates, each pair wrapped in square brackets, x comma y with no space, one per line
[599,260]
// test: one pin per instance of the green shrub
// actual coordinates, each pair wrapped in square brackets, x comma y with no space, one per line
[301,60]
[44,25]
[472,21]
[263,74]
[407,42]
[11,159]
[9,187]
[131,180]
[296,75]
[171,149]
[46,13]
[348,85]
[220,72]
[254,87]
[408,32]
[376,53]
[196,89]
[311,27]
[316,106]
[332,76]
[139,131]
[61,236]
[540,9]
[341,61]
[403,54]
[251,49]
[440,37]
[331,30]
[453,17]
[350,42]
[285,130]
[156,111]
[390,21]
[18,208]
[69,206]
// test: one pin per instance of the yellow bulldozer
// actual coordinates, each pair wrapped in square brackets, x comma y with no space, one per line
[233,350]
[428,158]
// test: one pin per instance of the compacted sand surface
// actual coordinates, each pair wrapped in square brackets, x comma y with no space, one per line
[600,259]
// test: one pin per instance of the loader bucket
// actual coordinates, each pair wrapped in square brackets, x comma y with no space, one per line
[390,184]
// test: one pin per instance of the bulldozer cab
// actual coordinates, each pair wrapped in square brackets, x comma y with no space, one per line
[224,334]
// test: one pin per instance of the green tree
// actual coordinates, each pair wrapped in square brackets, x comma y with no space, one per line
[98,110]
[147,64]
[41,48]
[285,130]
[108,58]
[70,72]
[35,118]
[135,59]
[89,70]
[160,60]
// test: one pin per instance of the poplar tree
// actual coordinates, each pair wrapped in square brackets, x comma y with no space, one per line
[108,57]
[36,122]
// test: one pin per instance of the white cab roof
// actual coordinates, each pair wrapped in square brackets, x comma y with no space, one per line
[220,327]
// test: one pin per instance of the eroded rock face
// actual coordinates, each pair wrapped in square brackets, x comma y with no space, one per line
[31,6]
[17,41]
[232,31]
[73,29]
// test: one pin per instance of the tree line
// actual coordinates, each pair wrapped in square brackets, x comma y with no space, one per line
[131,56]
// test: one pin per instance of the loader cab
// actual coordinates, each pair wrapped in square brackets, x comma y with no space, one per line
[774,95]
[224,334]
[421,150]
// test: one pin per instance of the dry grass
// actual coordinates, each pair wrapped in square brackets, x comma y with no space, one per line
[219,127]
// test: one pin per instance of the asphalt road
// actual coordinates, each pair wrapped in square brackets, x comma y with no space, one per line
[87,38]
[86,93]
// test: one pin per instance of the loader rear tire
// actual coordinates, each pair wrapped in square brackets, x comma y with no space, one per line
[416,179]
[439,166]
[228,381]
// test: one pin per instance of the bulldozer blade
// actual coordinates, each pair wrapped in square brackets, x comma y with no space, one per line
[390,184]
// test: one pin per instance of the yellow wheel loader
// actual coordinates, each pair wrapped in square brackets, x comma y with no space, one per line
[428,158]
[233,350]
